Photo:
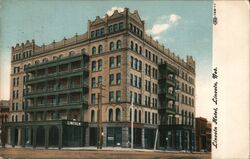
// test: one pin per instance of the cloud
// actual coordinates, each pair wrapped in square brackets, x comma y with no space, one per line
[111,11]
[174,18]
[158,28]
[163,23]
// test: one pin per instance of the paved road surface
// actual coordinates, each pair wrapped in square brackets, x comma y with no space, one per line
[21,153]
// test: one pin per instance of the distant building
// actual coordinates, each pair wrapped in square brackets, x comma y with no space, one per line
[4,114]
[209,136]
[54,89]
[203,134]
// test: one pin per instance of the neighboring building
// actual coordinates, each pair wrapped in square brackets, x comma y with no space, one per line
[4,113]
[54,90]
[203,134]
[209,136]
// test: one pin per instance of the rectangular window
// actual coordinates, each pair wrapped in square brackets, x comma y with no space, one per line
[102,31]
[97,32]
[121,26]
[140,64]
[100,79]
[111,79]
[149,101]
[93,82]
[131,79]
[93,65]
[130,96]
[115,27]
[16,106]
[149,118]
[110,28]
[135,82]
[14,81]
[99,65]
[118,78]
[111,96]
[149,70]
[146,116]
[118,61]
[93,99]
[92,34]
[118,96]
[135,98]
[139,98]
[146,101]
[17,81]
[139,83]
[111,62]
[132,62]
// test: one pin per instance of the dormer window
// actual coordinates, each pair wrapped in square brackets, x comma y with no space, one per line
[110,29]
[116,27]
[121,26]
[102,31]
[98,32]
[92,34]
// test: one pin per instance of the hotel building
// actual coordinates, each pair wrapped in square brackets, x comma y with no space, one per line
[55,89]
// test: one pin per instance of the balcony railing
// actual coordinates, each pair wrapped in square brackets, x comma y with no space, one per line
[58,75]
[55,90]
[69,104]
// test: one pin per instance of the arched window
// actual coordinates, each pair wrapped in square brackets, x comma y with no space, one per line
[135,119]
[119,44]
[132,45]
[139,116]
[13,118]
[37,62]
[136,47]
[92,115]
[111,46]
[93,50]
[110,114]
[45,60]
[118,114]
[100,49]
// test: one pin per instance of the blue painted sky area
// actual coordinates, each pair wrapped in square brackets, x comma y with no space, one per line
[188,32]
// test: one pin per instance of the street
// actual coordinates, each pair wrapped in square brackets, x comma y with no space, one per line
[21,153]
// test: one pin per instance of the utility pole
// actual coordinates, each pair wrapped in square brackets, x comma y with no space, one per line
[99,118]
[132,122]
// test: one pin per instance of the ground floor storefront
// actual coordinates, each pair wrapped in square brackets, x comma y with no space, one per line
[65,133]
[176,137]
[54,133]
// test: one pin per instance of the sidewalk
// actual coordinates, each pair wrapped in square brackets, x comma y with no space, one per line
[93,148]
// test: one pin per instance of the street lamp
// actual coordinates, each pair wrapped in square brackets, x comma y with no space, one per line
[167,142]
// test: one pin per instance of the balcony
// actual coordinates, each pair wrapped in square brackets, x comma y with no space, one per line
[58,106]
[58,75]
[82,88]
[64,60]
